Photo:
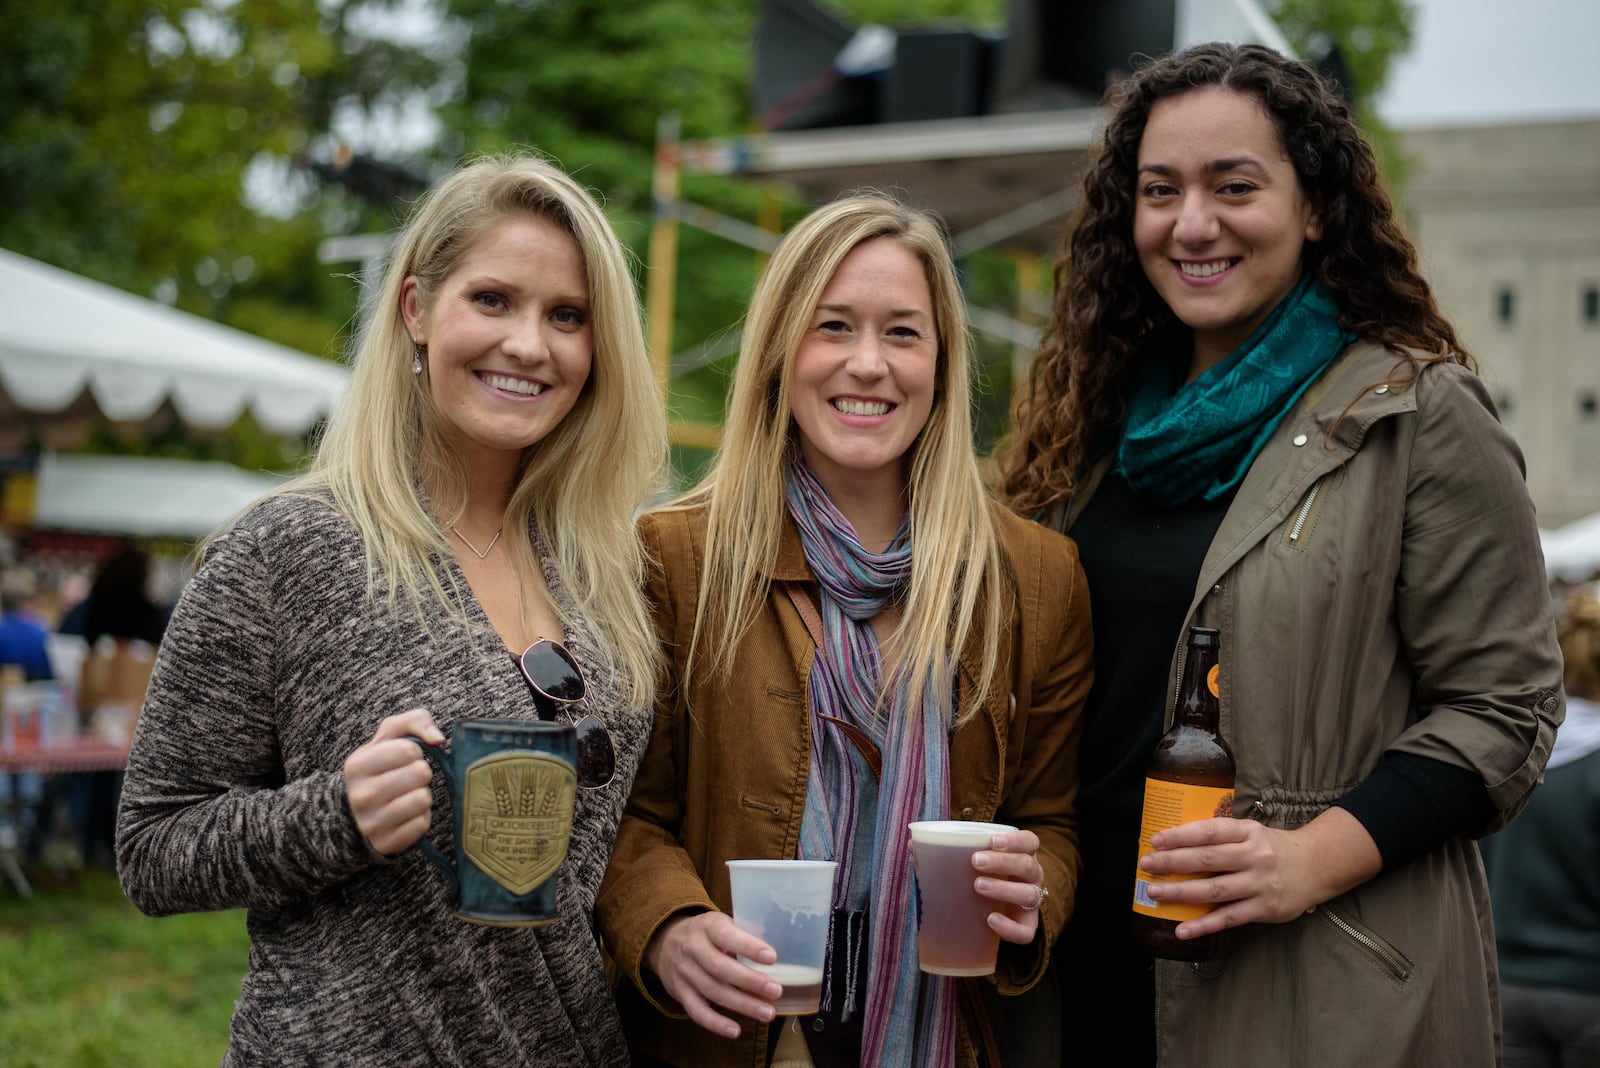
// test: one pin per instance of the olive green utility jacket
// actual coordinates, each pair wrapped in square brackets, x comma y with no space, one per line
[728,781]
[1379,587]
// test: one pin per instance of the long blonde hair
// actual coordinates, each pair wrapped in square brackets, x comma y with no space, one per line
[582,484]
[956,571]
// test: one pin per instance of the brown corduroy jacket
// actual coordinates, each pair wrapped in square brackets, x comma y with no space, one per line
[729,782]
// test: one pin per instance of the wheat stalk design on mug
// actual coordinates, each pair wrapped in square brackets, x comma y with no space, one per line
[502,792]
[529,799]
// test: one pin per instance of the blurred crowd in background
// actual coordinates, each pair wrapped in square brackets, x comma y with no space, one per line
[78,634]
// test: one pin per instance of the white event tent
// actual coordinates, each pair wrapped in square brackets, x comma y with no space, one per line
[71,345]
[142,496]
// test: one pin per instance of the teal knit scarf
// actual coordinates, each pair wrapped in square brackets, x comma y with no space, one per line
[1198,439]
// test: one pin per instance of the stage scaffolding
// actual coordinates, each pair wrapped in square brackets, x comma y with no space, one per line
[1004,182]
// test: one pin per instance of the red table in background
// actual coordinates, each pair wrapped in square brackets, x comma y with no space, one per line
[84,754]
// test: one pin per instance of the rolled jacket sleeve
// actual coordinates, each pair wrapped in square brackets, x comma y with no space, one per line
[1473,607]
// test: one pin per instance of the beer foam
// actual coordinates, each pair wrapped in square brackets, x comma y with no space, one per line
[788,974]
[956,832]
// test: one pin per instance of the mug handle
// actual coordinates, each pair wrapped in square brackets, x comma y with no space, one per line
[429,850]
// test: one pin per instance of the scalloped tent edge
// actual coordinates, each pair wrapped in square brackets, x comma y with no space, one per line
[66,335]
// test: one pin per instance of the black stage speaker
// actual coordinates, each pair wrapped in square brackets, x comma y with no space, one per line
[939,73]
[1064,53]
[793,85]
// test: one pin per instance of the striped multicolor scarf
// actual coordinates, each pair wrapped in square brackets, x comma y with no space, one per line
[910,1017]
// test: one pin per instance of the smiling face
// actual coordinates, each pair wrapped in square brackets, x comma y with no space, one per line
[1219,217]
[509,338]
[862,381]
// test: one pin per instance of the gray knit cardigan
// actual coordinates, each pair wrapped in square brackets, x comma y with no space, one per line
[275,666]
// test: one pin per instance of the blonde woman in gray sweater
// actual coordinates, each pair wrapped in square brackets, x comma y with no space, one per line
[474,494]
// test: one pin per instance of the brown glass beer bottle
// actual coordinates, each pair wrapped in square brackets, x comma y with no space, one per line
[1190,778]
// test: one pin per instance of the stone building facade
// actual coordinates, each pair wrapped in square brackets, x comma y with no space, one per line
[1507,222]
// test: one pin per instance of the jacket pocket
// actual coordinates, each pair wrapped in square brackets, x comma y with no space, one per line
[1378,949]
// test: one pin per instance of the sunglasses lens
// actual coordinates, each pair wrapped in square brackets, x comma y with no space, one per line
[552,669]
[597,761]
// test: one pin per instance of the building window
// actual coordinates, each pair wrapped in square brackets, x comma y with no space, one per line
[1505,305]
[1591,304]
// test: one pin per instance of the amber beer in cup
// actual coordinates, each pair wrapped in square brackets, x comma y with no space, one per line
[953,932]
[787,903]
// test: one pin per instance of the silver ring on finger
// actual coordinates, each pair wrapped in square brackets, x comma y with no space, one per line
[1044,892]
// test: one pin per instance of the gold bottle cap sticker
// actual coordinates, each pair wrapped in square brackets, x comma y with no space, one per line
[1211,679]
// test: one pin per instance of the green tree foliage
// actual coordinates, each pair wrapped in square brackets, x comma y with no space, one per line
[987,13]
[1370,34]
[586,80]
[128,129]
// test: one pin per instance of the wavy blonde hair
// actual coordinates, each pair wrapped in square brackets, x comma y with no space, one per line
[957,575]
[582,484]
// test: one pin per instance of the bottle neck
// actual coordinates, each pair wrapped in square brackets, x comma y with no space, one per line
[1197,704]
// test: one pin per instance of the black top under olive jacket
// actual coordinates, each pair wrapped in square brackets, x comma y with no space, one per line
[1379,587]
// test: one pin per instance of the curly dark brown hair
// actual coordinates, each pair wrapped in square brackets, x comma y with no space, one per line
[1106,315]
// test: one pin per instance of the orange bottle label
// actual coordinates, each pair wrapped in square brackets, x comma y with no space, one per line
[1169,804]
[1211,680]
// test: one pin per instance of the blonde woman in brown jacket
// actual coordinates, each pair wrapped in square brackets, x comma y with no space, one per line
[955,652]
[1251,416]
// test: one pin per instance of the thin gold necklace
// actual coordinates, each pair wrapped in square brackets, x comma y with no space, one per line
[474,548]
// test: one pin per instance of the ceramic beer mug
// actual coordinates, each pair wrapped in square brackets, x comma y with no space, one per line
[513,785]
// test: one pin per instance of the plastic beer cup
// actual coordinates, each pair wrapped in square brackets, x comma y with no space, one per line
[953,932]
[787,904]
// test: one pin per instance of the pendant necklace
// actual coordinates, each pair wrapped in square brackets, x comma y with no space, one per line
[473,547]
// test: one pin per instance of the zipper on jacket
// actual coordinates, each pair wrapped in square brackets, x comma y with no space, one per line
[1392,959]
[1305,510]
[1298,527]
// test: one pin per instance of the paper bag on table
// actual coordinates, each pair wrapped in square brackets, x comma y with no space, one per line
[115,675]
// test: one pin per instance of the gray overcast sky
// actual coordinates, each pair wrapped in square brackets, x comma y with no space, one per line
[1497,60]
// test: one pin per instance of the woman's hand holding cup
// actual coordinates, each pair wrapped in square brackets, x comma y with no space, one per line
[696,958]
[1011,875]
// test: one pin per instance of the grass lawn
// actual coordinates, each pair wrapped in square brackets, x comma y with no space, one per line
[85,979]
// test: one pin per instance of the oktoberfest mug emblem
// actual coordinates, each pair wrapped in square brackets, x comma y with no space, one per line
[513,785]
